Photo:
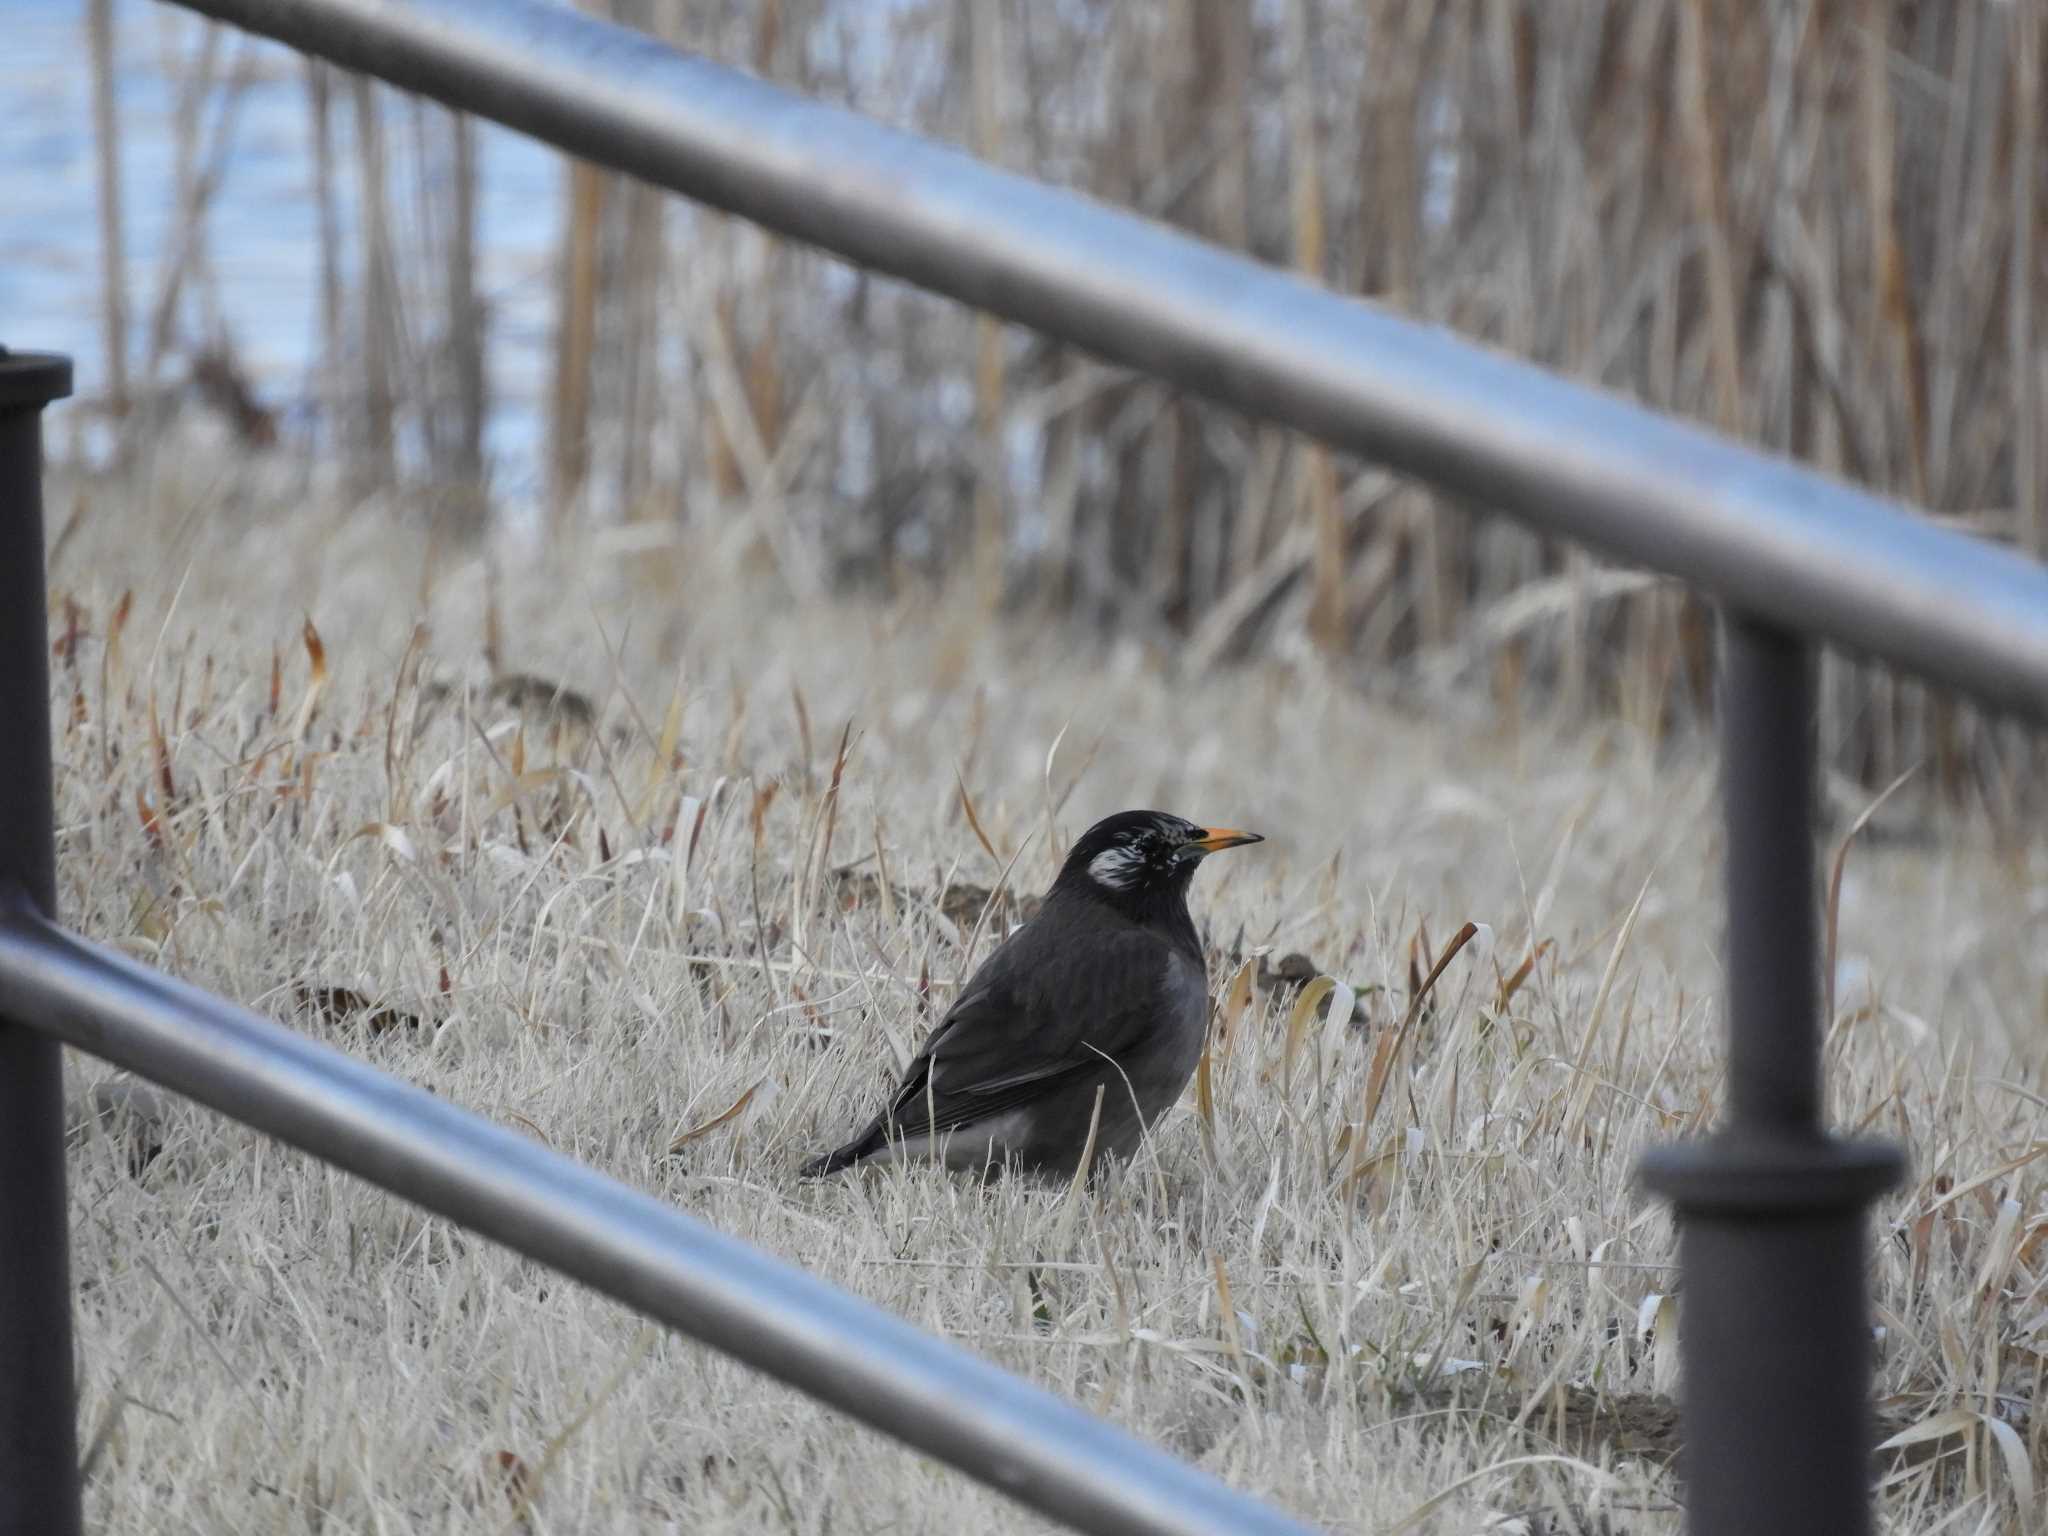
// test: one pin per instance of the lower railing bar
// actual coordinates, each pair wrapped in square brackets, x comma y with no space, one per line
[1771,1210]
[1016,1438]
[38,1421]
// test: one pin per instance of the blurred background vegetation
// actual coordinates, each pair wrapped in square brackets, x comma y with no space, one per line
[1817,225]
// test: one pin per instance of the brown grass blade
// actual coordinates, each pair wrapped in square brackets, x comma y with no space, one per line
[723,1117]
[316,682]
[1300,1019]
[1390,1043]
[1513,984]
[1834,908]
[1205,1105]
[974,821]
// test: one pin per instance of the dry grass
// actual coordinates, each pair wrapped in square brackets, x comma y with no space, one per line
[1817,226]
[627,936]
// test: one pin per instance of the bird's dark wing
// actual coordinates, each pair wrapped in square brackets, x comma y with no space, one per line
[1038,1016]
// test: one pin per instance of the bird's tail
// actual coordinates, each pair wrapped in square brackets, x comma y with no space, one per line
[840,1158]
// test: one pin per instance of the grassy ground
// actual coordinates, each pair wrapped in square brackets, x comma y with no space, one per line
[656,941]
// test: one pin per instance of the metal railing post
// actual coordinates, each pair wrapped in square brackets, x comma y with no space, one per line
[38,1415]
[1775,1327]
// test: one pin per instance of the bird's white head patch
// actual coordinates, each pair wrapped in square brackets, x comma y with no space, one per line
[1140,857]
[1119,868]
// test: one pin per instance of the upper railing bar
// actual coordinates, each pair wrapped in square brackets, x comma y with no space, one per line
[1020,1440]
[1770,538]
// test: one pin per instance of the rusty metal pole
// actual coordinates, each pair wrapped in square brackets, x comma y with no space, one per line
[38,1410]
[1775,1323]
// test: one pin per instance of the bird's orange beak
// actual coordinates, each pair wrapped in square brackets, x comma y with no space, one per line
[1215,839]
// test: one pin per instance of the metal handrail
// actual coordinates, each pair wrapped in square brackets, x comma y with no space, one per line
[1771,1209]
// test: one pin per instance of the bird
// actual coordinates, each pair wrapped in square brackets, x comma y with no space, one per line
[1095,1007]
